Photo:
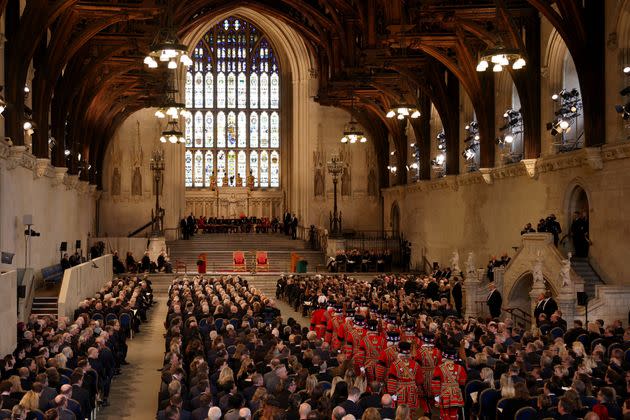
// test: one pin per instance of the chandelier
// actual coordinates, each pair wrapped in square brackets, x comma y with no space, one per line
[403,110]
[501,57]
[166,46]
[352,132]
[172,134]
[169,106]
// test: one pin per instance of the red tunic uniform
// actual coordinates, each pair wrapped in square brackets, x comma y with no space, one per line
[354,335]
[332,330]
[412,338]
[429,358]
[403,378]
[385,360]
[369,351]
[447,380]
[319,322]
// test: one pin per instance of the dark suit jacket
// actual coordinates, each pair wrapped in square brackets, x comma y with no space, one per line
[45,398]
[8,402]
[352,408]
[200,413]
[457,294]
[82,396]
[494,302]
[388,413]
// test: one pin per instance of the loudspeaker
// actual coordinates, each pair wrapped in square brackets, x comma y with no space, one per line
[582,298]
[27,219]
[7,257]
[77,245]
[21,292]
[63,247]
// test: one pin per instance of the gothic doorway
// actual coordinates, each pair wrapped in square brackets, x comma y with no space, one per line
[578,222]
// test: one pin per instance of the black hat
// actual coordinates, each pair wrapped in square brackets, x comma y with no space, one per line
[393,336]
[404,347]
[359,320]
[410,326]
[372,325]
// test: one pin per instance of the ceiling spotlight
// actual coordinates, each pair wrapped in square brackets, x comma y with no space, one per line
[66,152]
[563,124]
[412,145]
[554,97]
[574,109]
[626,70]
[477,137]
[393,152]
[26,89]
[467,127]
[509,139]
[28,125]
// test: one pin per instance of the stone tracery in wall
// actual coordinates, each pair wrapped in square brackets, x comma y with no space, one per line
[137,156]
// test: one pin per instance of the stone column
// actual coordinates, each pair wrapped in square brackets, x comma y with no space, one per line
[471,289]
[567,303]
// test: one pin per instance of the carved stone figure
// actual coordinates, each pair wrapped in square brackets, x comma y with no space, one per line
[470,265]
[115,181]
[319,182]
[346,182]
[565,271]
[455,262]
[537,271]
[136,182]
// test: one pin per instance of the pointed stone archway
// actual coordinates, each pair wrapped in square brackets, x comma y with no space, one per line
[517,284]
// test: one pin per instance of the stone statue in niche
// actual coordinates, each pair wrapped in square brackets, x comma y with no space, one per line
[319,185]
[372,186]
[537,270]
[470,265]
[137,157]
[346,182]
[565,271]
[115,188]
[455,262]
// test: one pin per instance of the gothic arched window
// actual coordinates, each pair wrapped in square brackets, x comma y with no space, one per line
[233,93]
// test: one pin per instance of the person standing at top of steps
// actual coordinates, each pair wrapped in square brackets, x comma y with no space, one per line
[294,225]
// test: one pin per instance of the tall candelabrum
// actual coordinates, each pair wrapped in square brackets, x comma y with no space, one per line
[157,167]
[335,168]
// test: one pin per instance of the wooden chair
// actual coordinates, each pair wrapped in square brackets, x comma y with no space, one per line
[262,261]
[238,258]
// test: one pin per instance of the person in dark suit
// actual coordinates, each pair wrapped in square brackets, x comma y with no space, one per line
[7,401]
[350,405]
[72,404]
[205,402]
[494,301]
[457,295]
[294,226]
[80,394]
[387,410]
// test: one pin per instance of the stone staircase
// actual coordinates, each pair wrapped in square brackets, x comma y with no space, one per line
[585,270]
[45,305]
[219,248]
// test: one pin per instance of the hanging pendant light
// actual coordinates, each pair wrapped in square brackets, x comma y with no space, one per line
[172,134]
[352,133]
[166,46]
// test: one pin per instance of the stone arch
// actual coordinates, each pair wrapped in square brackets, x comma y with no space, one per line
[554,60]
[540,245]
[299,84]
[577,199]
[395,218]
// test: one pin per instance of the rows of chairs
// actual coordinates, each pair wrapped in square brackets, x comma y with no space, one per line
[125,320]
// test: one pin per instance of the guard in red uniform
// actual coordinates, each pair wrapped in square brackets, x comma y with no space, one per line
[369,351]
[319,319]
[387,356]
[429,357]
[409,334]
[354,335]
[448,378]
[335,321]
[404,377]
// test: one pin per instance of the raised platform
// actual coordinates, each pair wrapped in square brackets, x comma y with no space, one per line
[219,248]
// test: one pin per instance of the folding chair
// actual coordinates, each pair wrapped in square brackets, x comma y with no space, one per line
[262,261]
[110,317]
[526,413]
[488,400]
[238,257]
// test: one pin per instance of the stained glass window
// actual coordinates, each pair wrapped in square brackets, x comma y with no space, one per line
[242,167]
[264,129]
[189,90]
[264,90]
[198,129]
[198,90]
[198,168]
[233,93]
[189,168]
[209,90]
[209,168]
[231,168]
[275,130]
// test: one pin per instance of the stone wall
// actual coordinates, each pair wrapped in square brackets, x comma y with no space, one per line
[8,312]
[62,208]
[484,212]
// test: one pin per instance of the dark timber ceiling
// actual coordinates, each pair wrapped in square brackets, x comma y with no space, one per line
[89,74]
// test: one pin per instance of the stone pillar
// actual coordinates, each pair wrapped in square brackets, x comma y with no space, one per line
[471,289]
[567,303]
